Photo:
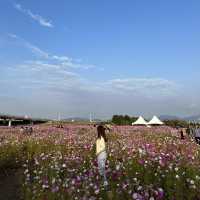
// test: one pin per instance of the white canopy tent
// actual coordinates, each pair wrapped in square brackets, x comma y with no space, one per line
[139,121]
[155,121]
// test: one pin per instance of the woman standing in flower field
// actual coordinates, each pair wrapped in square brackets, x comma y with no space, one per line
[101,152]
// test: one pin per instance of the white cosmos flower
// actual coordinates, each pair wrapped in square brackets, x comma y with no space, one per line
[117,167]
[177,176]
[197,177]
[151,198]
[192,182]
[64,165]
[135,196]
[176,169]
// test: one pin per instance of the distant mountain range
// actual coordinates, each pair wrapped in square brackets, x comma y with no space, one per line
[171,117]
[193,118]
[79,119]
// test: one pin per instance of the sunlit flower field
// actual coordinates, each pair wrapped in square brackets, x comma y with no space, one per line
[143,163]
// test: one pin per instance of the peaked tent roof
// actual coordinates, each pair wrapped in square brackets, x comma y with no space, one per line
[155,121]
[140,121]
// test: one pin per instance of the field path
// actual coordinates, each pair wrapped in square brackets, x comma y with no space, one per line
[10,185]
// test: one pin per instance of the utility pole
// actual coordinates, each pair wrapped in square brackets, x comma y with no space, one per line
[90,118]
[59,118]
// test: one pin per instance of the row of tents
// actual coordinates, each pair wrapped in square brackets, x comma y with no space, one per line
[154,121]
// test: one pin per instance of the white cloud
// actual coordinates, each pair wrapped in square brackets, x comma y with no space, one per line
[37,50]
[61,58]
[63,61]
[51,88]
[75,65]
[193,106]
[148,87]
[41,20]
[48,68]
[140,83]
[38,75]
[63,78]
[13,36]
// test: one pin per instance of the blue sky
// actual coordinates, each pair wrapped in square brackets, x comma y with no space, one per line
[105,57]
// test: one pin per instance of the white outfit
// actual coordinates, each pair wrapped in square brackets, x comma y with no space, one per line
[100,145]
[101,158]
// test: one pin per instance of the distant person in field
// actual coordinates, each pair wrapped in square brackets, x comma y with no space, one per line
[197,135]
[101,152]
[21,129]
[188,131]
[182,134]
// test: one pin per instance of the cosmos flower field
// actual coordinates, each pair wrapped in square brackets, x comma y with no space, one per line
[143,163]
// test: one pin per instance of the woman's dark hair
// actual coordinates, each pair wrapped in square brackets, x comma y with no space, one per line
[101,132]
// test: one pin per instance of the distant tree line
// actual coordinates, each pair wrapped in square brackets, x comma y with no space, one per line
[123,119]
[128,120]
[176,123]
